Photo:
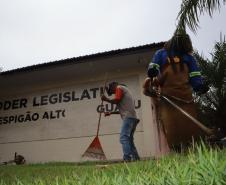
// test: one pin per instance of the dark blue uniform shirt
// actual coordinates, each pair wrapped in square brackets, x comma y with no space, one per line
[160,60]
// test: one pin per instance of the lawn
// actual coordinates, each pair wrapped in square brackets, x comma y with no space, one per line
[199,166]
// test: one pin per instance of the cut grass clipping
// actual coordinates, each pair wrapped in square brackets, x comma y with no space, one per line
[201,165]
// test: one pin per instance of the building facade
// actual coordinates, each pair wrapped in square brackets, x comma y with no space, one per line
[49,112]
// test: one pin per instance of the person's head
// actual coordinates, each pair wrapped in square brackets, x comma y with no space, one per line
[111,88]
[179,43]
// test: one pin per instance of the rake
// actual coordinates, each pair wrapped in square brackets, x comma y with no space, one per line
[95,149]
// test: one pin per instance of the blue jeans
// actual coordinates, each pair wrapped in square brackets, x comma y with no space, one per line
[126,139]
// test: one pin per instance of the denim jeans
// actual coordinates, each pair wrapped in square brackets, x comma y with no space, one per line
[127,140]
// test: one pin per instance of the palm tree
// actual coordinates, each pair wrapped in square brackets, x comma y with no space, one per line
[213,103]
[192,9]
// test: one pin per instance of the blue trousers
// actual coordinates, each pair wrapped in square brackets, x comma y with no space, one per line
[127,140]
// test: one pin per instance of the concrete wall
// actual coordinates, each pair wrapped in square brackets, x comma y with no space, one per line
[56,121]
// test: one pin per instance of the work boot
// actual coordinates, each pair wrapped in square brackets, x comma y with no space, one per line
[127,158]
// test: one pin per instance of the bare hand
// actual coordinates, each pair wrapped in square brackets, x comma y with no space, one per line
[155,82]
[146,84]
[104,98]
[158,92]
[107,114]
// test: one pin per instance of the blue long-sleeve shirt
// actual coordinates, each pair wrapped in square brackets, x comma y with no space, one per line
[160,60]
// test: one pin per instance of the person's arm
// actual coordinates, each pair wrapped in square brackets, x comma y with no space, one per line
[110,113]
[195,77]
[113,101]
[154,66]
[153,71]
[116,99]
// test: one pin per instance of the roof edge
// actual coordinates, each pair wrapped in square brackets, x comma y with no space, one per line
[81,58]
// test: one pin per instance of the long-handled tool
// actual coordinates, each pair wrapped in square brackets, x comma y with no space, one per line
[198,123]
[95,149]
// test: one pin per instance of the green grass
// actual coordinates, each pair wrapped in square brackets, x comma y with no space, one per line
[202,166]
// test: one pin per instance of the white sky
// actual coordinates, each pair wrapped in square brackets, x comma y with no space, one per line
[38,31]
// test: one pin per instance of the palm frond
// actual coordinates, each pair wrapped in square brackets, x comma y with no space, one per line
[219,61]
[213,103]
[192,9]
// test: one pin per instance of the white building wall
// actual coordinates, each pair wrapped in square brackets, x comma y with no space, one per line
[62,130]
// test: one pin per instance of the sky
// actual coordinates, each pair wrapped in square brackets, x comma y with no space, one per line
[40,31]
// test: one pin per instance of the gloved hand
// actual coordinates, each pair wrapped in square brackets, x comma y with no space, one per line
[203,89]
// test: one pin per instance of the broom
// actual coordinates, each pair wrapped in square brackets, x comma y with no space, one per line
[95,149]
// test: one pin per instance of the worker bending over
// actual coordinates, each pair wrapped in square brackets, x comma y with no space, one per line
[125,103]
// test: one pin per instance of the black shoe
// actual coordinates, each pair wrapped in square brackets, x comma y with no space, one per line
[136,158]
[127,160]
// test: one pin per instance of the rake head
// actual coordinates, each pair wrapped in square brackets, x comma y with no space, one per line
[95,150]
